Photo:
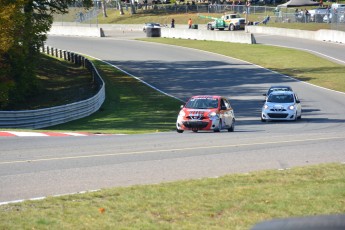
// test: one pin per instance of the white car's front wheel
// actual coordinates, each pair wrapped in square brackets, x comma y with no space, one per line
[232,128]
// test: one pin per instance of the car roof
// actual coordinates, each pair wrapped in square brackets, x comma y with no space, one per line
[280,86]
[206,96]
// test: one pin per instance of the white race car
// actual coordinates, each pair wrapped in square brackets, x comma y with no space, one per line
[281,105]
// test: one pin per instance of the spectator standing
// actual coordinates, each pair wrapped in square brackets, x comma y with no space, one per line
[296,14]
[172,23]
[190,23]
[306,14]
[248,7]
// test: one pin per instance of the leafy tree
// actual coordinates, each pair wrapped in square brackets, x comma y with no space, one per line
[10,21]
[24,25]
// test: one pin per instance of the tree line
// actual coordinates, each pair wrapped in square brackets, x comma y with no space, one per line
[23,26]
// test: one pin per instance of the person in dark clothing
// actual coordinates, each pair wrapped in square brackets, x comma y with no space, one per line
[172,23]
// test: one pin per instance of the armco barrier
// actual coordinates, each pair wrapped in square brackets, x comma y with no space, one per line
[41,118]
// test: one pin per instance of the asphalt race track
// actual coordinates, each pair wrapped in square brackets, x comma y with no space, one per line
[32,167]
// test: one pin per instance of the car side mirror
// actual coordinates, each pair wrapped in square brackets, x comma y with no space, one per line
[264,94]
[298,101]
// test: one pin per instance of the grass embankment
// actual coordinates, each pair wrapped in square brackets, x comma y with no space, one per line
[130,107]
[229,202]
[60,82]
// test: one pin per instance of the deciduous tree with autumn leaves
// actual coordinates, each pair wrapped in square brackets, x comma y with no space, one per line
[24,25]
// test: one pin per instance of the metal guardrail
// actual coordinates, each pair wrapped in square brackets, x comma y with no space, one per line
[46,117]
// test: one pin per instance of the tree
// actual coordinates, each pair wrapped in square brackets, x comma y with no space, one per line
[24,25]
[11,21]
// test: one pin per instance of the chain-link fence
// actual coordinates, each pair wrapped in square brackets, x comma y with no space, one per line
[335,20]
[79,16]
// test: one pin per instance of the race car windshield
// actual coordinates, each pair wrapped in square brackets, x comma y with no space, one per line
[280,98]
[277,89]
[202,103]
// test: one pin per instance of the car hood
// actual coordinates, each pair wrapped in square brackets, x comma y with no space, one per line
[278,105]
[198,112]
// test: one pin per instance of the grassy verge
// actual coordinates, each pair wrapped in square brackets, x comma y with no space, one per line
[229,202]
[60,82]
[130,107]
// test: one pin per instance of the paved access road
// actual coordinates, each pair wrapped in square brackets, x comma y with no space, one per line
[328,50]
[40,166]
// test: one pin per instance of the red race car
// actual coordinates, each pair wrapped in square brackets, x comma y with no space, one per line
[205,112]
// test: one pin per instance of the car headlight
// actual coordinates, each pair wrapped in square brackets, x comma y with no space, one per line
[212,114]
[182,113]
[265,106]
[291,107]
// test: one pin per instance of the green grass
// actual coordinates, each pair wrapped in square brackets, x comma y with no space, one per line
[130,107]
[230,202]
[60,82]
